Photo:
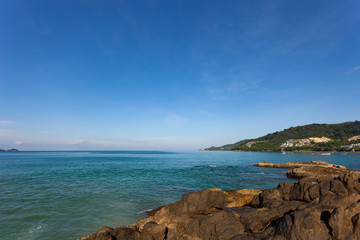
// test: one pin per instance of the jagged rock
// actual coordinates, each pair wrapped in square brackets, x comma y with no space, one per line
[103,234]
[301,172]
[240,198]
[301,225]
[316,207]
[308,169]
[107,233]
[152,230]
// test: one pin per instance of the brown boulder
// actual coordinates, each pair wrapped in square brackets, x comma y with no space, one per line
[299,164]
[302,225]
[321,207]
[107,233]
[240,198]
[344,221]
[314,171]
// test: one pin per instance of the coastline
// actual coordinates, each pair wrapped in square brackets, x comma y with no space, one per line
[296,151]
[317,206]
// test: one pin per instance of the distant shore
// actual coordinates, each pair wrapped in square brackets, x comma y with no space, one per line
[269,151]
[9,150]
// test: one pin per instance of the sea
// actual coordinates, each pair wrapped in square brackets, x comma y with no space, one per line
[70,194]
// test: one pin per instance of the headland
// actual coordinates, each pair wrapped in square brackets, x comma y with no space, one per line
[9,150]
[341,137]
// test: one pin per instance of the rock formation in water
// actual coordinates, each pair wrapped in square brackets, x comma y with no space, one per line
[308,169]
[320,206]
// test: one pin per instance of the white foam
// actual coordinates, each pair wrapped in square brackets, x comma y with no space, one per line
[34,229]
[144,211]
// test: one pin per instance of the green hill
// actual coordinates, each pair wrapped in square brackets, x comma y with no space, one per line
[312,137]
[227,147]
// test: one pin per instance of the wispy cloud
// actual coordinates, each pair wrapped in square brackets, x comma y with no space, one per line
[175,119]
[92,144]
[164,143]
[7,122]
[77,142]
[11,139]
[232,85]
[154,139]
[356,68]
[4,132]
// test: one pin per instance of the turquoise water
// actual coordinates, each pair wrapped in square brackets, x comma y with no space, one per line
[66,195]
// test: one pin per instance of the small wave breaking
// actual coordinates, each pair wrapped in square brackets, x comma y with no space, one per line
[214,166]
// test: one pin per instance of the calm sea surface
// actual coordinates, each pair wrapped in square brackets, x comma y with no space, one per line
[66,195]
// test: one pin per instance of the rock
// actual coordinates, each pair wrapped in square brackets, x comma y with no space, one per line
[301,172]
[103,234]
[260,219]
[107,233]
[264,164]
[152,212]
[152,230]
[343,220]
[299,225]
[299,164]
[203,202]
[318,206]
[240,198]
[308,169]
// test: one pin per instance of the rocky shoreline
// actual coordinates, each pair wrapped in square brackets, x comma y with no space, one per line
[323,204]
[308,169]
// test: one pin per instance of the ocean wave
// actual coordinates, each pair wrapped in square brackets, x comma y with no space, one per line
[145,211]
[30,233]
[215,166]
[34,229]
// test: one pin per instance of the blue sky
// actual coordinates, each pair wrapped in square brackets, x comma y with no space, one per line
[173,75]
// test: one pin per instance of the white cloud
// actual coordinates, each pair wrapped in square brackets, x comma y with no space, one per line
[175,119]
[154,139]
[7,122]
[10,139]
[4,132]
[76,142]
[356,68]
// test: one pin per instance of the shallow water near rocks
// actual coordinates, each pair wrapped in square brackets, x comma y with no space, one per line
[66,195]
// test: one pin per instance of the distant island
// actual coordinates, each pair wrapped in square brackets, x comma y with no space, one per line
[9,150]
[341,137]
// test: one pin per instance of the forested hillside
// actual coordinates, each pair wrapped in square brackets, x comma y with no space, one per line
[339,137]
